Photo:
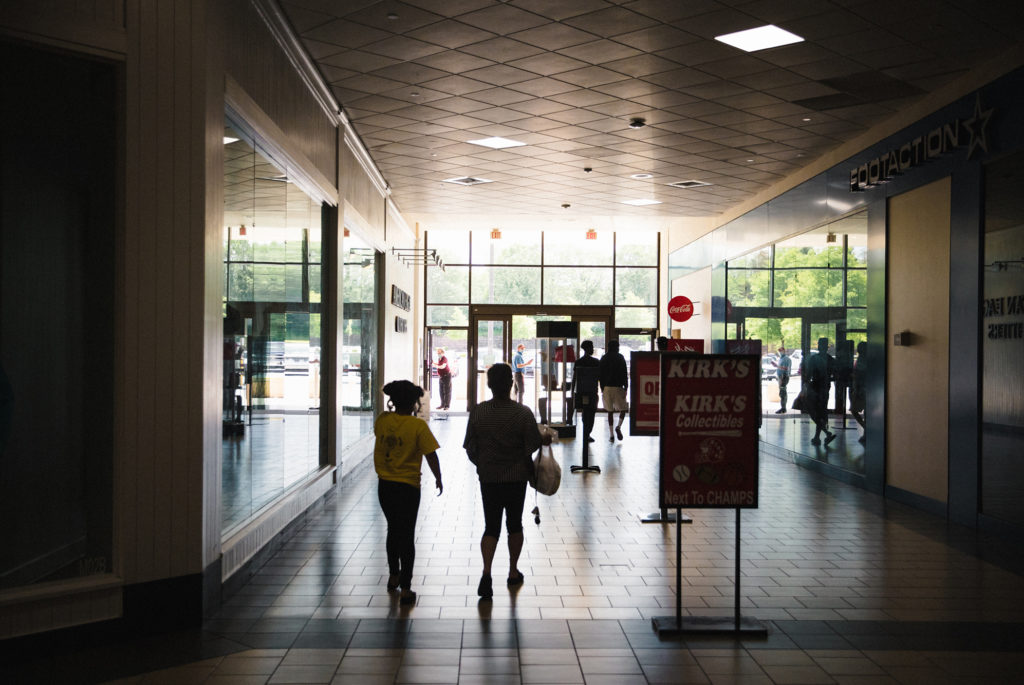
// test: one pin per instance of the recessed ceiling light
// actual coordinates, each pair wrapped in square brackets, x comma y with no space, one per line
[642,176]
[806,119]
[228,140]
[641,202]
[688,184]
[467,180]
[761,38]
[496,143]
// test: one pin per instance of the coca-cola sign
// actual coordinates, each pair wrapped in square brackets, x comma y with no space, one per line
[680,308]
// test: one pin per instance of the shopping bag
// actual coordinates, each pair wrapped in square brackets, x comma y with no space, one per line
[547,472]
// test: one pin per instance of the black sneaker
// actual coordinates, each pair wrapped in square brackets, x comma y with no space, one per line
[484,589]
[815,441]
[780,411]
[829,438]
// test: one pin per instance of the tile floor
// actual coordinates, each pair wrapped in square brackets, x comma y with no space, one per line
[852,589]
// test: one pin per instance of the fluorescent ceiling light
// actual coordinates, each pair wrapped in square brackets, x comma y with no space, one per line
[641,202]
[228,140]
[496,143]
[761,38]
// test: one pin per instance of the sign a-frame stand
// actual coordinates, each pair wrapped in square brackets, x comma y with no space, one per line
[645,414]
[709,460]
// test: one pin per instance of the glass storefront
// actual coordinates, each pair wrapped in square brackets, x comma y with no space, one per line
[359,386]
[792,294]
[1002,321]
[273,299]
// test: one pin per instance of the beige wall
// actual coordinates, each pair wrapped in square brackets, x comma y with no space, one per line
[917,376]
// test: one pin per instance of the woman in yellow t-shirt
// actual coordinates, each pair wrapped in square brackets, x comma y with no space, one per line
[403,440]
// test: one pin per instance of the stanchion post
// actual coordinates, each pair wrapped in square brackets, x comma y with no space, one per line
[737,583]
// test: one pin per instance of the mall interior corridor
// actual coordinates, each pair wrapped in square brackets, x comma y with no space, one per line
[851,589]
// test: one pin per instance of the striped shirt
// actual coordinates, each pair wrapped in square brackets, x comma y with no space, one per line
[501,438]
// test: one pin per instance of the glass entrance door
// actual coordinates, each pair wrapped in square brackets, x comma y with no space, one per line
[491,344]
[798,331]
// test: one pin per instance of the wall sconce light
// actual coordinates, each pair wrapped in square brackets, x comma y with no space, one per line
[495,234]
[591,234]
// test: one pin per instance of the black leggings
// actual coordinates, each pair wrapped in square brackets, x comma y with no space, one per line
[401,504]
[507,498]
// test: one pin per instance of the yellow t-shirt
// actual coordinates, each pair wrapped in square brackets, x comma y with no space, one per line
[401,443]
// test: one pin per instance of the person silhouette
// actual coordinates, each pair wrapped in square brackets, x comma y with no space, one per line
[402,442]
[614,380]
[818,371]
[501,437]
[584,387]
[858,392]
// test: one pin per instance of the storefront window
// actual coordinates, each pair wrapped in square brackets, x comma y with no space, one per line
[1002,331]
[360,386]
[272,331]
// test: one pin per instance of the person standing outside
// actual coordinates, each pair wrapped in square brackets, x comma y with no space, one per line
[519,365]
[783,367]
[501,437]
[614,379]
[402,442]
[819,370]
[444,378]
[585,376]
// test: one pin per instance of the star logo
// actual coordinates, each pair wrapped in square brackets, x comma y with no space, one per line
[977,126]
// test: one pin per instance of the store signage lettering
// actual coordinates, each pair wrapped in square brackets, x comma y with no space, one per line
[1011,305]
[971,132]
[709,452]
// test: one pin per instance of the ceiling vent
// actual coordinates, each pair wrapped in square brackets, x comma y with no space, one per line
[467,181]
[688,184]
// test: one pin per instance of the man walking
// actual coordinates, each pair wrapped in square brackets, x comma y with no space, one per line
[614,379]
[819,370]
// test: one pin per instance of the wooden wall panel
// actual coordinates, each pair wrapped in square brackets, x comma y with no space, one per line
[361,194]
[164,421]
[254,60]
[917,377]
[97,26]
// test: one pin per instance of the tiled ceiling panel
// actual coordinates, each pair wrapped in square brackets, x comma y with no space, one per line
[421,78]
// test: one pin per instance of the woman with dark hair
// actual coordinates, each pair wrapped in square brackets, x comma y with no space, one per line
[403,440]
[501,437]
